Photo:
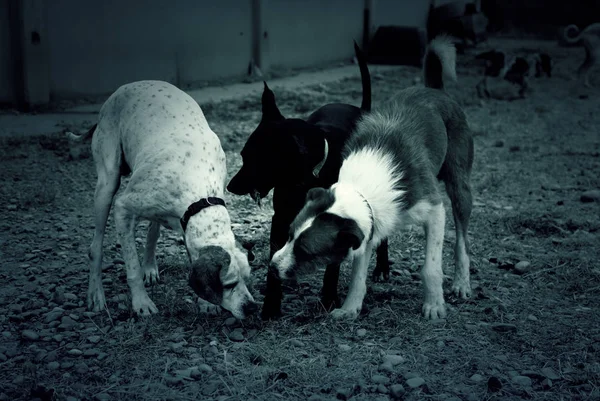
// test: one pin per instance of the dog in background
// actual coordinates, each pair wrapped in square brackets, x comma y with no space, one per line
[388,180]
[501,67]
[590,39]
[159,135]
[291,156]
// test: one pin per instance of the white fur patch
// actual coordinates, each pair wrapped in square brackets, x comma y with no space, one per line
[284,259]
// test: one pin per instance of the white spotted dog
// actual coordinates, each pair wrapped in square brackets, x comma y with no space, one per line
[388,180]
[159,134]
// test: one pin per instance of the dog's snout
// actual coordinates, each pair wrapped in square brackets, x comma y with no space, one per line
[250,308]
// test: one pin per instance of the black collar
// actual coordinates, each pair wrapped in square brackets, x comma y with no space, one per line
[196,207]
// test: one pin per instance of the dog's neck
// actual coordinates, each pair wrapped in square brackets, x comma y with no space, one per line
[210,226]
[372,176]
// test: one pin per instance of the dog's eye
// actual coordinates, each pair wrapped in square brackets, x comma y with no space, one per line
[230,286]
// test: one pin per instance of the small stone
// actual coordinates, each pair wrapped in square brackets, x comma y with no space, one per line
[590,196]
[361,332]
[415,382]
[236,335]
[81,368]
[53,365]
[549,373]
[532,374]
[397,391]
[503,327]
[91,352]
[380,379]
[54,314]
[393,359]
[30,335]
[381,388]
[494,384]
[94,339]
[386,367]
[229,322]
[476,378]
[343,393]
[523,381]
[532,318]
[546,384]
[102,397]
[296,343]
[204,368]
[344,347]
[75,352]
[521,267]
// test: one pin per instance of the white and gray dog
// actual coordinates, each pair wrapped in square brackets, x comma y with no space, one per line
[388,180]
[159,135]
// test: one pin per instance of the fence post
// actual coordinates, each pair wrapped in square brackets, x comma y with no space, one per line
[259,37]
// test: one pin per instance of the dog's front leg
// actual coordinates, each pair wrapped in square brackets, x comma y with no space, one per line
[358,286]
[432,273]
[125,224]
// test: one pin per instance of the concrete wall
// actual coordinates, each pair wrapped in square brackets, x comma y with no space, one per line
[305,33]
[96,46]
[7,79]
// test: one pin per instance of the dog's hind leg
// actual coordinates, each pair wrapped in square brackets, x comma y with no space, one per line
[590,60]
[432,273]
[382,267]
[150,269]
[126,222]
[107,168]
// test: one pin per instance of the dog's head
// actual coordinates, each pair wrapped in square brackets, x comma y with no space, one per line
[323,232]
[222,277]
[280,150]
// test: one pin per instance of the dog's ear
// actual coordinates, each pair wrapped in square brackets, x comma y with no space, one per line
[205,273]
[350,235]
[270,112]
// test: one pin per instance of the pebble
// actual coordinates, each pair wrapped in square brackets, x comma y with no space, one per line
[361,332]
[75,352]
[523,381]
[53,365]
[102,397]
[204,368]
[94,339]
[230,321]
[81,368]
[532,318]
[386,367]
[380,379]
[344,347]
[503,327]
[590,196]
[296,342]
[476,378]
[549,373]
[236,335]
[397,391]
[30,335]
[3,358]
[546,384]
[66,323]
[343,393]
[415,382]
[381,388]
[393,359]
[522,267]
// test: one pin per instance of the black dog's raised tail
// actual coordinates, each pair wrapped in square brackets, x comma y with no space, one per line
[439,62]
[83,137]
[365,77]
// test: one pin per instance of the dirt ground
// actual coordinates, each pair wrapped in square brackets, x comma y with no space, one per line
[531,330]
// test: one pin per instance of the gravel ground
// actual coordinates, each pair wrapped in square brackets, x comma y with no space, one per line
[529,332]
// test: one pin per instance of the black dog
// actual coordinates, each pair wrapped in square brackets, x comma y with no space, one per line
[291,156]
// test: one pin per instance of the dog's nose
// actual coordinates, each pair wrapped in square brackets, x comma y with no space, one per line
[250,308]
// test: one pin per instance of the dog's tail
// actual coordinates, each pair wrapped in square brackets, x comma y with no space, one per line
[365,77]
[439,62]
[84,137]
[573,35]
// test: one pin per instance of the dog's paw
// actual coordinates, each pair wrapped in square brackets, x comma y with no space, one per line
[381,273]
[151,274]
[344,314]
[461,289]
[207,308]
[95,299]
[142,304]
[434,310]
